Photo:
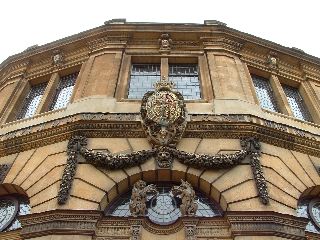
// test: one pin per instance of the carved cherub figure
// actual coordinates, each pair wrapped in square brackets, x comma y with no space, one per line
[185,191]
[138,199]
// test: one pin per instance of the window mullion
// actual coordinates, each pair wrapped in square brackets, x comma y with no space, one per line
[280,96]
[48,93]
[164,67]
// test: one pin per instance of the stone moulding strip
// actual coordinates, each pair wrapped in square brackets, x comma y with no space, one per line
[128,125]
[11,235]
[93,223]
[267,224]
[78,222]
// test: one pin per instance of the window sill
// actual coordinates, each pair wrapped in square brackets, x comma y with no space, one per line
[32,120]
[291,118]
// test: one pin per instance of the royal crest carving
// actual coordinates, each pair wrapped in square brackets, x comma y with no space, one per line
[163,114]
[185,191]
[138,200]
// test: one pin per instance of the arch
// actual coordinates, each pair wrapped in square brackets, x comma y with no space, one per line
[311,192]
[308,206]
[14,203]
[163,175]
[9,189]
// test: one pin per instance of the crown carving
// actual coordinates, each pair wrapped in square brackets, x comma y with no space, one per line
[164,84]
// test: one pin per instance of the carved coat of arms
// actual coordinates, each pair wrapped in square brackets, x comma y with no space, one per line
[163,114]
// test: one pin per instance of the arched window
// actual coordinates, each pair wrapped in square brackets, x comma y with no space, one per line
[310,208]
[12,206]
[164,207]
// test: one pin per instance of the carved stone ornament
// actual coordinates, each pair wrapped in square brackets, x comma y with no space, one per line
[57,58]
[273,60]
[253,146]
[4,169]
[74,145]
[165,42]
[163,116]
[190,232]
[185,191]
[138,199]
[77,145]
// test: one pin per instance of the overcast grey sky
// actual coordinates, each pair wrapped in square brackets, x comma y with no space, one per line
[24,23]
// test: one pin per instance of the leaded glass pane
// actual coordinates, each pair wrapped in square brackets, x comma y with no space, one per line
[186,80]
[142,79]
[164,208]
[302,211]
[264,93]
[64,91]
[10,208]
[24,209]
[32,101]
[296,103]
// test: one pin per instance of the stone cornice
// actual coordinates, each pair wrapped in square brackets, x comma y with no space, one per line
[93,223]
[271,45]
[59,222]
[106,125]
[81,40]
[267,223]
[312,236]
[11,235]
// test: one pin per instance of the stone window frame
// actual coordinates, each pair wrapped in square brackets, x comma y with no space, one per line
[306,115]
[121,93]
[52,80]
[276,83]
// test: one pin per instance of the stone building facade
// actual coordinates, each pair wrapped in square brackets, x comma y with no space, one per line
[160,131]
